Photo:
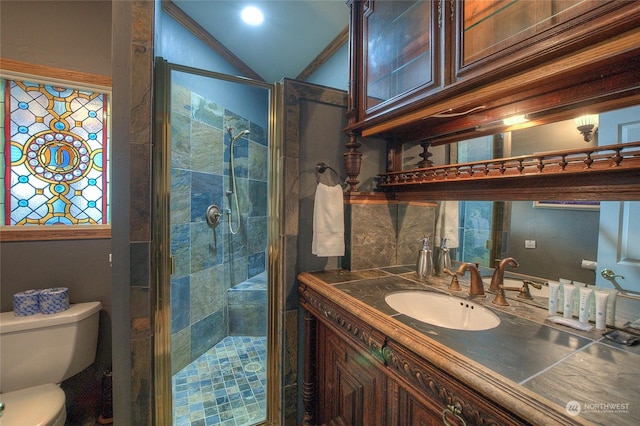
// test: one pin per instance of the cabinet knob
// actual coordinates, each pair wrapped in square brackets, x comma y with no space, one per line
[453,410]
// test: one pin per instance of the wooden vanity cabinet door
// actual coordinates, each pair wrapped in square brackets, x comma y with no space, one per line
[412,410]
[354,390]
[351,387]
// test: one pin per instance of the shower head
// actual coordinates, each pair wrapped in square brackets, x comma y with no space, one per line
[239,135]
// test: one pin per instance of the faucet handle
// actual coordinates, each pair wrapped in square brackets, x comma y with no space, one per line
[524,290]
[500,299]
[454,285]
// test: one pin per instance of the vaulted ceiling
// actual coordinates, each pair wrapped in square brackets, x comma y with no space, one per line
[295,37]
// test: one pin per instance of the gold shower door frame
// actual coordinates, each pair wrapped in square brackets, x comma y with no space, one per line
[162,263]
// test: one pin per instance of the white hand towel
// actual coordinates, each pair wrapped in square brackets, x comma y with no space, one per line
[447,224]
[328,221]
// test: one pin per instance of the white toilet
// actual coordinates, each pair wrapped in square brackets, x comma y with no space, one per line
[38,352]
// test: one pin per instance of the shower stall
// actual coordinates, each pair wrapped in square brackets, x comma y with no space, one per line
[212,185]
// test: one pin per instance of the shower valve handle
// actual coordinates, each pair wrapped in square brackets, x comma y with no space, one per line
[213,216]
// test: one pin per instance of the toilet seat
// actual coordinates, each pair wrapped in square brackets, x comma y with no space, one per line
[42,405]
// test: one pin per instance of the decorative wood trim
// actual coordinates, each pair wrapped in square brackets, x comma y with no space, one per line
[412,370]
[578,161]
[368,198]
[606,173]
[326,53]
[53,233]
[12,69]
[186,21]
[377,198]
[357,329]
[309,387]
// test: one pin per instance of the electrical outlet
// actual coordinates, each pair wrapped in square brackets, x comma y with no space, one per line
[529,244]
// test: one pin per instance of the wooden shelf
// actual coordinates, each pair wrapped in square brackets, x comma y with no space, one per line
[605,172]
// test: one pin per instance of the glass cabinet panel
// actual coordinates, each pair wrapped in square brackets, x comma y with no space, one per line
[398,47]
[490,26]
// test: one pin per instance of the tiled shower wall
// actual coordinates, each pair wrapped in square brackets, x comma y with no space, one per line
[210,261]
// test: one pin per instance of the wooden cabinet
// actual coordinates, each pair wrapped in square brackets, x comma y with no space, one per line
[498,35]
[448,70]
[357,375]
[353,389]
[401,51]
[410,51]
[350,387]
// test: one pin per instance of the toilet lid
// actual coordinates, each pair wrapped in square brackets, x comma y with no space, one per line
[38,406]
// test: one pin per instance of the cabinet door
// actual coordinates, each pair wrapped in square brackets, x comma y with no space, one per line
[401,53]
[494,35]
[351,390]
[411,411]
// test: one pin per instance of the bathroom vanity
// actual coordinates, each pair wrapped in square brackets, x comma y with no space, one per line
[367,364]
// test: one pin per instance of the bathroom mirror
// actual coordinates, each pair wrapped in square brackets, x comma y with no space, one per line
[550,239]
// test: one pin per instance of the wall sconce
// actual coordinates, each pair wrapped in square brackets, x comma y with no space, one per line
[516,119]
[587,125]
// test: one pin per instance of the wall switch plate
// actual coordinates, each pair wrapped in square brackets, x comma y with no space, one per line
[529,244]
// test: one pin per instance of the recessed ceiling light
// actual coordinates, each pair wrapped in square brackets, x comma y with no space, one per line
[252,15]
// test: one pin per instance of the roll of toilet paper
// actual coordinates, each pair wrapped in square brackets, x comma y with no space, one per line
[589,264]
[26,303]
[54,300]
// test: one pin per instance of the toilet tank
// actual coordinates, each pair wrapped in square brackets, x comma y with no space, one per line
[40,349]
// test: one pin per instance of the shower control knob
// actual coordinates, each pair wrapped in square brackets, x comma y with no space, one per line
[213,216]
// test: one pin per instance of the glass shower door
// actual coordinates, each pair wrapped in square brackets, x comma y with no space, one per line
[212,174]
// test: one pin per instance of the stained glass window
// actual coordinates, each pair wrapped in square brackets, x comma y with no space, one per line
[56,155]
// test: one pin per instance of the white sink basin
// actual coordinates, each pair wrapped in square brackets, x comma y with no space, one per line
[443,310]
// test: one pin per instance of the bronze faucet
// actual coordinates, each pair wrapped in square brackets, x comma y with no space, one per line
[476,288]
[523,292]
[497,279]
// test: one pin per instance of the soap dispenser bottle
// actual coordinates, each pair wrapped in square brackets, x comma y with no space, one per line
[424,265]
[444,259]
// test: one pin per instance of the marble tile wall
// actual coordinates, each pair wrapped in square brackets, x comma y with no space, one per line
[369,225]
[210,261]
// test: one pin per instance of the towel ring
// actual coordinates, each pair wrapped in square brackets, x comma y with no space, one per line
[331,179]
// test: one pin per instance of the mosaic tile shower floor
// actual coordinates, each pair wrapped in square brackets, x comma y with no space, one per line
[224,386]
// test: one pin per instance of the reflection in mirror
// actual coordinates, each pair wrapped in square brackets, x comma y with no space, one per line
[550,240]
[572,240]
[562,135]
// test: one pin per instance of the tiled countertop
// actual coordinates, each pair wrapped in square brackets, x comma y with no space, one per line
[591,374]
